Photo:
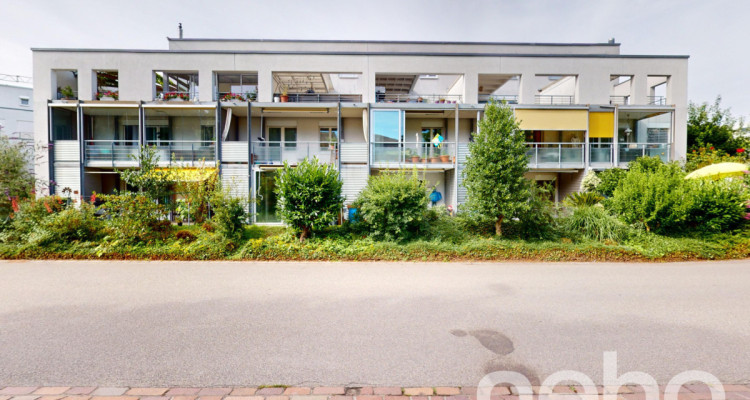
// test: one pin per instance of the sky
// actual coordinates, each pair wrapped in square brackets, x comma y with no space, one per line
[714,33]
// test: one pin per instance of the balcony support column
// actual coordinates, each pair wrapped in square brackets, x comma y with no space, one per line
[455,159]
[338,139]
[82,156]
[217,138]
[616,140]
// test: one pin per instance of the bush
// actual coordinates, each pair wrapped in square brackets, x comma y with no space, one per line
[444,228]
[590,181]
[72,224]
[594,223]
[309,196]
[392,206]
[208,227]
[609,180]
[581,199]
[133,217]
[538,222]
[659,198]
[717,206]
[229,214]
[185,235]
[29,217]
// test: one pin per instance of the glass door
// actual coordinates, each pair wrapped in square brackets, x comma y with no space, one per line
[387,136]
[265,186]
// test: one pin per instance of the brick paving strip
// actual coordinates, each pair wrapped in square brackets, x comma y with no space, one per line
[278,392]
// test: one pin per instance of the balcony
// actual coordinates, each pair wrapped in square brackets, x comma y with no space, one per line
[237,97]
[276,153]
[418,98]
[630,151]
[111,153]
[421,154]
[601,154]
[619,100]
[548,99]
[182,152]
[500,98]
[320,98]
[657,100]
[555,155]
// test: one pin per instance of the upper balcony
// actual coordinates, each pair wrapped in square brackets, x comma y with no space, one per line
[235,86]
[176,86]
[107,86]
[65,84]
[317,87]
[556,89]
[499,87]
[419,88]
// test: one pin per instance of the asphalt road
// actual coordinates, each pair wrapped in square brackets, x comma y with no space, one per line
[231,323]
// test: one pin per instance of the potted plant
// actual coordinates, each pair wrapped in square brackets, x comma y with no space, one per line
[284,94]
[67,93]
[445,158]
[252,96]
[176,96]
[232,97]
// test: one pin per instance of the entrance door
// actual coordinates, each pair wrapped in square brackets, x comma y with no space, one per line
[265,186]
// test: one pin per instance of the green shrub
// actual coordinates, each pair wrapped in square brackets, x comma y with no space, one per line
[443,227]
[646,164]
[658,198]
[133,217]
[72,224]
[309,196]
[392,206]
[538,222]
[29,217]
[590,181]
[717,206]
[593,222]
[185,235]
[609,180]
[582,199]
[230,214]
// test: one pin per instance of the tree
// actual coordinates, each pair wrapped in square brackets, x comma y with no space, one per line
[309,195]
[153,183]
[711,126]
[15,178]
[495,167]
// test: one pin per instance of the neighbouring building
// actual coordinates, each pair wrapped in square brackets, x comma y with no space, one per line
[16,112]
[246,106]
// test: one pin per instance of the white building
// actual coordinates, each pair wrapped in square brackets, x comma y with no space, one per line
[16,111]
[245,106]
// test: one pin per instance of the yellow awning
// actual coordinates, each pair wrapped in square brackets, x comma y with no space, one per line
[601,124]
[552,120]
[187,174]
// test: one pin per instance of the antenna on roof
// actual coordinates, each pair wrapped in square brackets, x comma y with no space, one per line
[179,25]
[611,41]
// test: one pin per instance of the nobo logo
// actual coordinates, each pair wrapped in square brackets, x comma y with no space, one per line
[609,378]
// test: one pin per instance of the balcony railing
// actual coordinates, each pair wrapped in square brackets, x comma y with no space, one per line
[657,100]
[555,155]
[601,154]
[321,97]
[233,96]
[507,98]
[546,99]
[630,151]
[275,153]
[619,100]
[110,151]
[184,151]
[417,98]
[413,153]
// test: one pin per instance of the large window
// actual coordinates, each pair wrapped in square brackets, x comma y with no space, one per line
[275,135]
[386,126]
[328,137]
[64,124]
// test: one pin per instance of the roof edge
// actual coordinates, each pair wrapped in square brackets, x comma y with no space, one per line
[389,42]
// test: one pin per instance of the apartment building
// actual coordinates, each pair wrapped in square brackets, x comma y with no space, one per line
[246,106]
[16,112]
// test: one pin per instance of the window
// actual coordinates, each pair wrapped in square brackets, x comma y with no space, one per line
[207,135]
[275,136]
[24,101]
[290,137]
[328,137]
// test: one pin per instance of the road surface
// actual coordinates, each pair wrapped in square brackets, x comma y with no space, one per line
[113,323]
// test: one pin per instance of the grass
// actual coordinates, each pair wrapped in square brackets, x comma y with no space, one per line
[275,243]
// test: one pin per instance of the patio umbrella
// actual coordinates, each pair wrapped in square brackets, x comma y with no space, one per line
[718,171]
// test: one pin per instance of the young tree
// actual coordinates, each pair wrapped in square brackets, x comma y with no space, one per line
[147,179]
[712,126]
[495,167]
[309,195]
[15,178]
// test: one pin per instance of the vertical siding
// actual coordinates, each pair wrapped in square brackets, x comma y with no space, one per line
[234,151]
[66,150]
[67,175]
[354,152]
[236,179]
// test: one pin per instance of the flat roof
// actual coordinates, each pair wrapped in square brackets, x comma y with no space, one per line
[353,53]
[388,42]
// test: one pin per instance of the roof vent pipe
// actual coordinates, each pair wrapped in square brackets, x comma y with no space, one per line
[611,41]
[180,27]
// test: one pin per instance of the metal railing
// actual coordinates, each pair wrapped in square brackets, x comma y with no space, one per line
[275,152]
[413,153]
[555,155]
[601,153]
[553,99]
[110,151]
[320,98]
[657,100]
[507,98]
[182,151]
[234,96]
[630,151]
[417,98]
[619,100]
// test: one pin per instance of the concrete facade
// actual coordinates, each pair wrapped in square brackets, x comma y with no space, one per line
[434,86]
[16,115]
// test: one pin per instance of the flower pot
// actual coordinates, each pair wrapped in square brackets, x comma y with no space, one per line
[177,99]
[424,161]
[284,98]
[276,99]
[434,159]
[445,158]
[106,98]
[415,159]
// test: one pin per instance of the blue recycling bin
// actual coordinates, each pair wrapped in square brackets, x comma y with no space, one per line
[353,215]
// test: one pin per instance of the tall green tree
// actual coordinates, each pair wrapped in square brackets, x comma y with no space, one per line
[495,168]
[15,178]
[713,126]
[154,184]
[309,195]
